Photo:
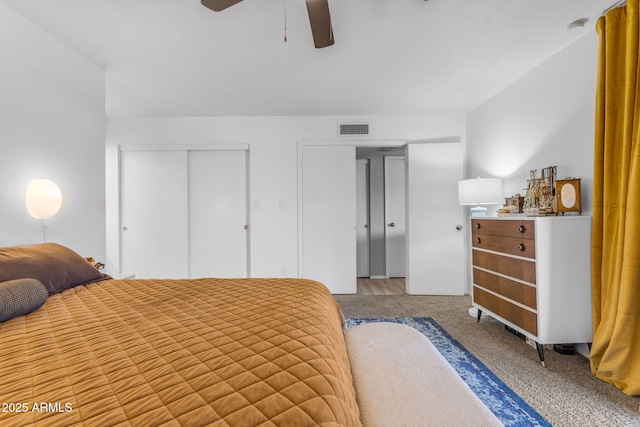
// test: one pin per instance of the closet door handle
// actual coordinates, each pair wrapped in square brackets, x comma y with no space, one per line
[392,224]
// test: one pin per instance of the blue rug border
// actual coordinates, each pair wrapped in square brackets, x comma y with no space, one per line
[530,412]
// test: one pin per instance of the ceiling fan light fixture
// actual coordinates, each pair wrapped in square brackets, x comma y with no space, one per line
[319,18]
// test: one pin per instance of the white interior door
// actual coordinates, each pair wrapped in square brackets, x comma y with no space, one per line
[154,214]
[394,206]
[328,217]
[362,217]
[217,214]
[436,246]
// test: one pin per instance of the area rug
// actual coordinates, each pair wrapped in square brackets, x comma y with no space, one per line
[507,406]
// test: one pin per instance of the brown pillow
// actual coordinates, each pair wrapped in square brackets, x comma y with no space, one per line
[56,266]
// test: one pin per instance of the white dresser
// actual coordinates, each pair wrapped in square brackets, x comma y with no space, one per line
[534,275]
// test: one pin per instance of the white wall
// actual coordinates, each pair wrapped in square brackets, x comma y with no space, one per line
[273,145]
[546,118]
[51,126]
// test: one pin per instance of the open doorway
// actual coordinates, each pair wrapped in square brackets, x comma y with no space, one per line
[381,236]
[327,250]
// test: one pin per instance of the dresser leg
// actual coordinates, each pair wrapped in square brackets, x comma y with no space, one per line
[540,353]
[479,315]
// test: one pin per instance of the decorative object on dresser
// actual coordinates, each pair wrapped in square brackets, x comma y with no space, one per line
[513,205]
[568,195]
[533,275]
[480,191]
[516,200]
[546,195]
[540,192]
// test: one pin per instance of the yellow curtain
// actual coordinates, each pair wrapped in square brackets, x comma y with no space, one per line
[615,353]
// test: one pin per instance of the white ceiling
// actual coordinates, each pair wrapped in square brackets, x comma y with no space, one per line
[178,58]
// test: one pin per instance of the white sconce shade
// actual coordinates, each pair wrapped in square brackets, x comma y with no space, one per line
[480,191]
[44,198]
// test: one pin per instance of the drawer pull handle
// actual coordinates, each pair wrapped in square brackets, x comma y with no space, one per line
[522,247]
[522,229]
[477,226]
[478,241]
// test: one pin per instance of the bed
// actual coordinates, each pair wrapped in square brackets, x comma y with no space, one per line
[79,348]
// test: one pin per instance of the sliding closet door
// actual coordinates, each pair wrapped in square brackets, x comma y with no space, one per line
[154,211]
[184,213]
[217,214]
[329,217]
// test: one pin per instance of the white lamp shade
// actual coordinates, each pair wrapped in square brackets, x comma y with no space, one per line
[480,191]
[44,198]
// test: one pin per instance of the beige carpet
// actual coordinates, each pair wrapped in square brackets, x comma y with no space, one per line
[564,392]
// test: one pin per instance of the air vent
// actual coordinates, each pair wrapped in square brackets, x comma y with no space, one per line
[354,129]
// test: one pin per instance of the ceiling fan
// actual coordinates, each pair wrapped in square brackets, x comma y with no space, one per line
[319,18]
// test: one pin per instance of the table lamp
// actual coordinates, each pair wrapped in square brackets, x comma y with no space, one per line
[480,191]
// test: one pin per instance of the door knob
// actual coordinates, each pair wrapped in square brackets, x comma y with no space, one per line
[458,227]
[392,224]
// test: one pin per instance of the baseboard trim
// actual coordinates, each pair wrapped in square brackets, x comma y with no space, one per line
[378,277]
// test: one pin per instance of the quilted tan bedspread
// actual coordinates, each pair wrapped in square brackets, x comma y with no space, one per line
[222,352]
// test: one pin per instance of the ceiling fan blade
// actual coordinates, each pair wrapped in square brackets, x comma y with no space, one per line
[218,5]
[320,20]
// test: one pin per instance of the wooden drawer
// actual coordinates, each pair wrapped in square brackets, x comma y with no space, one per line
[524,294]
[524,229]
[519,316]
[508,245]
[517,268]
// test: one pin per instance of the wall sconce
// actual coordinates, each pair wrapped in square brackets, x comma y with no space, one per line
[44,200]
[480,191]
